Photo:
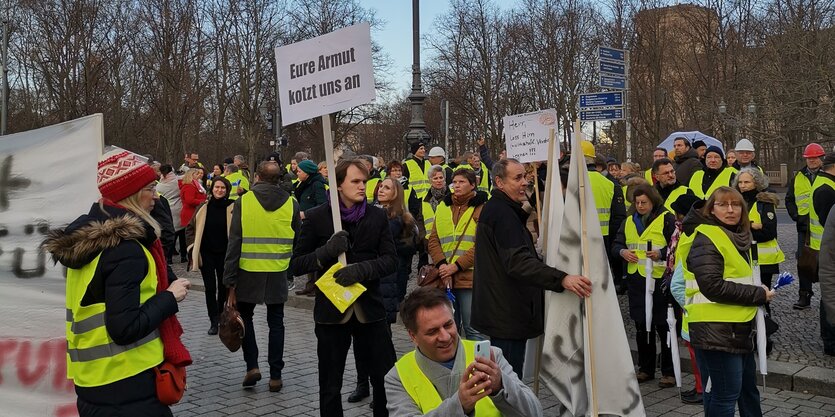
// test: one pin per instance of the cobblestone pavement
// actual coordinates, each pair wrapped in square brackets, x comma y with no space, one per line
[215,377]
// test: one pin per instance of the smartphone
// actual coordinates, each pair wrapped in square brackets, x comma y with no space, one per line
[482,349]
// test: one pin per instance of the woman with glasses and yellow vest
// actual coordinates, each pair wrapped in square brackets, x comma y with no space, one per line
[721,302]
[452,244]
[648,222]
[121,308]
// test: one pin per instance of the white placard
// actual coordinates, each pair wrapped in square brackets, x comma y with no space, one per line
[325,74]
[48,179]
[526,135]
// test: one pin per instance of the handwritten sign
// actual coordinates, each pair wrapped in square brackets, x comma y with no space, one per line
[325,74]
[47,179]
[526,135]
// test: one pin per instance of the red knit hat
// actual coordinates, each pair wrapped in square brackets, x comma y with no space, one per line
[122,174]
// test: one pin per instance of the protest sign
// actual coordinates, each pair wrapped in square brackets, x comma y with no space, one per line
[47,179]
[526,135]
[325,74]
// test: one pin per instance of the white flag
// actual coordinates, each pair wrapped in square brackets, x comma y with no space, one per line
[579,376]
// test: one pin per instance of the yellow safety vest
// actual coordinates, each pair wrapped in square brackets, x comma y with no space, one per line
[428,217]
[418,176]
[370,186]
[626,201]
[769,253]
[604,192]
[648,176]
[802,193]
[267,236]
[237,179]
[449,233]
[678,192]
[723,179]
[424,394]
[736,269]
[93,358]
[685,241]
[638,243]
[815,226]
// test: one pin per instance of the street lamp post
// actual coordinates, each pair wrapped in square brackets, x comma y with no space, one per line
[417,127]
[736,123]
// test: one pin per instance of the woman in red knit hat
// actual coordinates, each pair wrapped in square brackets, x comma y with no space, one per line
[121,321]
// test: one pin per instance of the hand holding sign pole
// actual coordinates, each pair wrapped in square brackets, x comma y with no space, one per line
[324,75]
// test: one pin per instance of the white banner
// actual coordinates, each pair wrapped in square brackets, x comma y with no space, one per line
[526,135]
[576,373]
[47,179]
[325,74]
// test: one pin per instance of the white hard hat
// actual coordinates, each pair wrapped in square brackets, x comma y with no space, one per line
[744,145]
[437,151]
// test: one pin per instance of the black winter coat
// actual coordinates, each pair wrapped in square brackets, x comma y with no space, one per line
[687,165]
[707,264]
[117,235]
[311,192]
[370,243]
[509,277]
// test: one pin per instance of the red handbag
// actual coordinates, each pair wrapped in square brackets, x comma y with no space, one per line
[171,383]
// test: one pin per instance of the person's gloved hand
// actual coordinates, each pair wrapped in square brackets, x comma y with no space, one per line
[336,245]
[352,274]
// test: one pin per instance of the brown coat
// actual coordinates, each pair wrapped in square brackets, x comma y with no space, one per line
[194,233]
[464,277]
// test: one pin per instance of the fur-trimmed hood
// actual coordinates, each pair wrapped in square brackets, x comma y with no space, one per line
[768,197]
[87,236]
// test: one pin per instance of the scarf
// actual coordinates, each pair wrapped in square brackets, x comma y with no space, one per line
[199,186]
[353,214]
[170,329]
[437,195]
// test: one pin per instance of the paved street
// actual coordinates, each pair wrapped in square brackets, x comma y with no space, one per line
[215,377]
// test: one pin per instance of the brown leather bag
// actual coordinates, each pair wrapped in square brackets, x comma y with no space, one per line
[431,275]
[231,327]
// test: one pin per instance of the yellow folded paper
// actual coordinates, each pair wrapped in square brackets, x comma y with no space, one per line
[341,297]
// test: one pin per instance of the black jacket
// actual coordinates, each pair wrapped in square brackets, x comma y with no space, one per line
[119,236]
[687,165]
[791,201]
[509,277]
[162,214]
[311,192]
[707,264]
[823,199]
[371,243]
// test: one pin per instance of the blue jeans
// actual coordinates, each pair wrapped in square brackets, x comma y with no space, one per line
[275,345]
[733,381]
[463,306]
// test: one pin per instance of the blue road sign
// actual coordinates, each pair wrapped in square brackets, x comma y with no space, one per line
[589,100]
[611,54]
[604,114]
[613,68]
[608,81]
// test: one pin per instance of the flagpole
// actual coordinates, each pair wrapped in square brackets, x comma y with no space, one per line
[586,268]
[543,237]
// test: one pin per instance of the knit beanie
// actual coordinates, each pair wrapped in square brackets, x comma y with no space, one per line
[122,174]
[309,167]
[715,149]
[415,146]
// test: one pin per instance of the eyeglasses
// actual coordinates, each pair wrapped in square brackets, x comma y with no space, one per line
[726,204]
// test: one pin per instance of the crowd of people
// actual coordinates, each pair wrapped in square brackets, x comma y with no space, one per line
[694,222]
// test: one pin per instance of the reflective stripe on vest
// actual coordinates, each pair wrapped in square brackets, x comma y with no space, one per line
[768,253]
[638,243]
[417,176]
[802,193]
[448,233]
[424,394]
[815,226]
[267,242]
[93,358]
[736,269]
[237,179]
[678,192]
[604,192]
[721,180]
[428,217]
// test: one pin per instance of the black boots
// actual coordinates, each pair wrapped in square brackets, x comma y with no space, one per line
[804,301]
[362,391]
[213,328]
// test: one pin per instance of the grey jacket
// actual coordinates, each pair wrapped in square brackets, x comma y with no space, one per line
[257,287]
[826,263]
[515,398]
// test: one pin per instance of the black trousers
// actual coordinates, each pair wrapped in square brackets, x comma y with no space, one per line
[181,238]
[373,347]
[513,351]
[212,272]
[647,351]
